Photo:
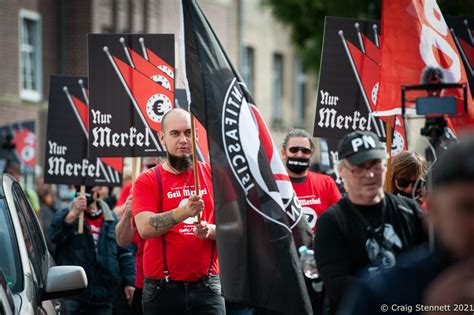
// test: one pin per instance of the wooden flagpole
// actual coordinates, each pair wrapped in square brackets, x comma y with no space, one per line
[388,182]
[80,226]
[136,168]
[195,169]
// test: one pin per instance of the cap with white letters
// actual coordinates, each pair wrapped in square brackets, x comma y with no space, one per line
[361,146]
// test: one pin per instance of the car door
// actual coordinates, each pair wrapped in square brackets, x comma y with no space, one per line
[36,249]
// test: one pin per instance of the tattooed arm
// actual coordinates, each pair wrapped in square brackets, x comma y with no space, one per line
[151,224]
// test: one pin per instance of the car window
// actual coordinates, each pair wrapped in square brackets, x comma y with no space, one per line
[31,232]
[9,256]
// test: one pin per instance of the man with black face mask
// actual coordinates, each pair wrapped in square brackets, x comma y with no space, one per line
[316,192]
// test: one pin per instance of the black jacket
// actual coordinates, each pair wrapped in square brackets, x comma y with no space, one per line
[112,268]
[344,240]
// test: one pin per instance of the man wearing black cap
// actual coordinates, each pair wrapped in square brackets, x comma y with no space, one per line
[439,280]
[366,230]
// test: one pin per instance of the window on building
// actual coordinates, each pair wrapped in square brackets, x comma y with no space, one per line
[277,90]
[30,56]
[300,92]
[248,68]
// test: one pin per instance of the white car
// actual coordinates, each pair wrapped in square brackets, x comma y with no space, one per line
[34,284]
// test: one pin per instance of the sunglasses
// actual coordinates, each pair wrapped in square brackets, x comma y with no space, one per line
[376,168]
[302,149]
[404,183]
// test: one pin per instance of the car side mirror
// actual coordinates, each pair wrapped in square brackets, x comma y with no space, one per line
[64,281]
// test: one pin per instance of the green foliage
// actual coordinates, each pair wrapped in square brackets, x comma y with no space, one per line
[306,19]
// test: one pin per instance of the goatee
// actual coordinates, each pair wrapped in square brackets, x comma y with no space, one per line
[180,163]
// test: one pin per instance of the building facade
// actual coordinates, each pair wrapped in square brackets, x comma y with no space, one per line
[44,37]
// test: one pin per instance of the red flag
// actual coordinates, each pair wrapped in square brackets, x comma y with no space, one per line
[468,52]
[372,51]
[83,111]
[160,63]
[151,71]
[368,72]
[415,36]
[152,99]
[25,141]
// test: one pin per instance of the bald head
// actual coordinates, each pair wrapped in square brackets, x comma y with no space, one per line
[174,115]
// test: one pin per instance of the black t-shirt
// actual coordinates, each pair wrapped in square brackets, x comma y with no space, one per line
[352,238]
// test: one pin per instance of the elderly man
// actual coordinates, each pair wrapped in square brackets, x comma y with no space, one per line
[367,229]
[440,280]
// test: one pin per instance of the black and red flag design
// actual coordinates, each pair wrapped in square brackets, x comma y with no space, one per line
[258,209]
[67,137]
[129,93]
[22,136]
[349,82]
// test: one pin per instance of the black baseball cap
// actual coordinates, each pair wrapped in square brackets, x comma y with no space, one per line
[361,146]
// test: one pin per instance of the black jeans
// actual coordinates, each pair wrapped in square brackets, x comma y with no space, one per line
[177,297]
[137,308]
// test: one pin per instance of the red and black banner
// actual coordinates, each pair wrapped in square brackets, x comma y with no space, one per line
[349,81]
[18,144]
[416,36]
[132,87]
[67,161]
[256,207]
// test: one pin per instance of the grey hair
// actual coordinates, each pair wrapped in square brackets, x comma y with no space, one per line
[297,133]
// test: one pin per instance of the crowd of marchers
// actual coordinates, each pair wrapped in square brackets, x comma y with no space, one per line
[152,250]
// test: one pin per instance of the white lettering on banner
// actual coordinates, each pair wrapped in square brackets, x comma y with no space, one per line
[435,36]
[329,118]
[185,192]
[439,24]
[367,141]
[327,99]
[56,149]
[99,118]
[57,166]
[103,137]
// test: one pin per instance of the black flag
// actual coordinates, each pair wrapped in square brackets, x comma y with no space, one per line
[255,205]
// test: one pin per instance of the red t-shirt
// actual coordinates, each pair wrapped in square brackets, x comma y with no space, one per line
[188,257]
[95,226]
[124,194]
[316,194]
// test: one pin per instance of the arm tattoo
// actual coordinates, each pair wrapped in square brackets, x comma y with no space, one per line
[163,221]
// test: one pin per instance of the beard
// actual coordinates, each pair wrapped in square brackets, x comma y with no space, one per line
[180,163]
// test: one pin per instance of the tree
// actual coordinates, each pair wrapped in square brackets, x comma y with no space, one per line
[306,19]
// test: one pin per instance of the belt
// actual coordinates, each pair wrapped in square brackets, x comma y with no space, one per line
[174,284]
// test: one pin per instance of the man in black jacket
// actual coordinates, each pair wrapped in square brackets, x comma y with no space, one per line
[440,280]
[108,266]
[368,229]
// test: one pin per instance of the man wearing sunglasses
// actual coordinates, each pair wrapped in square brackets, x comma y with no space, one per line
[316,192]
[366,230]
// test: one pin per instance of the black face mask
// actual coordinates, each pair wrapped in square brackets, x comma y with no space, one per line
[297,165]
[180,163]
